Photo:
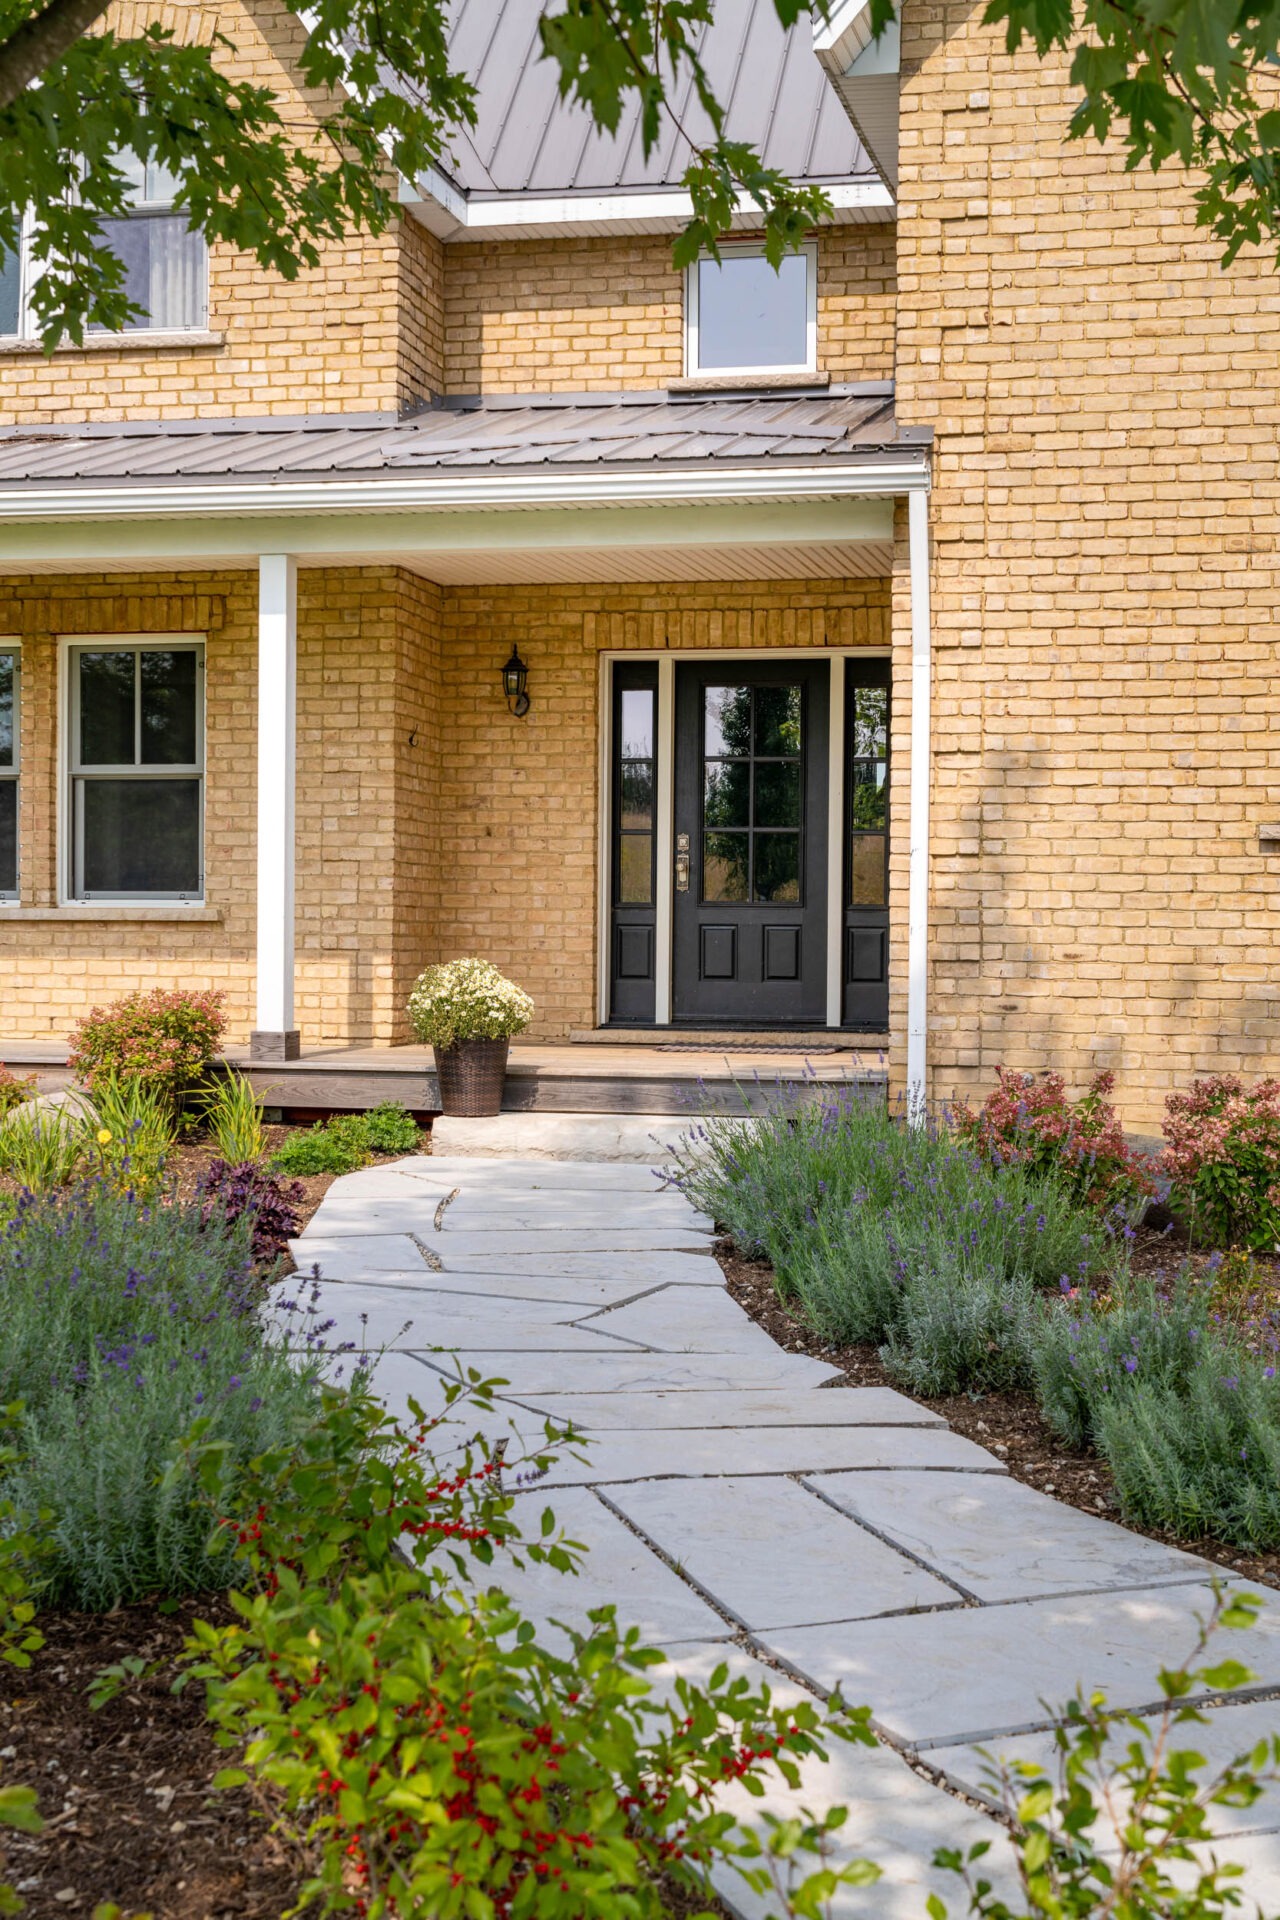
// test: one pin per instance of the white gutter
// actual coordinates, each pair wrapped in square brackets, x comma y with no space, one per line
[238,498]
[918,873]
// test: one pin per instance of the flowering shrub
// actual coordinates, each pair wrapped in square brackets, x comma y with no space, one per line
[13,1091]
[168,1038]
[1223,1160]
[125,1324]
[1029,1121]
[227,1192]
[436,1756]
[466,1000]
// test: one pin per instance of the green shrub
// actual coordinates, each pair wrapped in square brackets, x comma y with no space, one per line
[44,1147]
[348,1141]
[391,1128]
[1122,1826]
[1088,1352]
[232,1112]
[167,1038]
[124,1325]
[331,1146]
[436,1757]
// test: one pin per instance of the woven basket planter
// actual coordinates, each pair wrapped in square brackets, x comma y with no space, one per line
[471,1075]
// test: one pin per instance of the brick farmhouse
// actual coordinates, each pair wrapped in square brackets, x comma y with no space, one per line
[899,631]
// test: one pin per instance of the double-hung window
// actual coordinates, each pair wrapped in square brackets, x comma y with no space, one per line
[742,317]
[8,772]
[136,775]
[166,268]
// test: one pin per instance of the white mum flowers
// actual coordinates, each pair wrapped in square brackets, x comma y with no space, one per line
[466,1000]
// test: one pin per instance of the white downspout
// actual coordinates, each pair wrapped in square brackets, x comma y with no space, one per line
[918,880]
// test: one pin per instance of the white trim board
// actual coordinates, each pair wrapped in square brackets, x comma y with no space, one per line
[455,216]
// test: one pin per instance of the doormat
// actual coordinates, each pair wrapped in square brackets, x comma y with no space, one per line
[741,1046]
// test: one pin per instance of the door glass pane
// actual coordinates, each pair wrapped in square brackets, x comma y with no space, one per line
[6,710]
[778,794]
[168,708]
[871,723]
[777,866]
[727,793]
[8,836]
[635,870]
[637,793]
[106,709]
[777,720]
[750,316]
[870,795]
[867,879]
[726,866]
[141,836]
[728,721]
[637,723]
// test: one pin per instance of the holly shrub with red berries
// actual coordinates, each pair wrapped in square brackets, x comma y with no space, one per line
[431,1753]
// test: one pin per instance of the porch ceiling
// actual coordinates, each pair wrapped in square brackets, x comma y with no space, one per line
[801,560]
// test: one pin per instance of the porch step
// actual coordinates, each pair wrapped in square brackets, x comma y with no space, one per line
[736,1039]
[603,1077]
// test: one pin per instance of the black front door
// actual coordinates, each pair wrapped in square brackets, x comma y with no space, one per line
[751,843]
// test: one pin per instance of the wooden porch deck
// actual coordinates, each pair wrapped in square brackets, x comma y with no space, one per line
[584,1075]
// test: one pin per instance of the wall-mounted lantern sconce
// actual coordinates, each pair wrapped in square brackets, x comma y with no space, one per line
[515,678]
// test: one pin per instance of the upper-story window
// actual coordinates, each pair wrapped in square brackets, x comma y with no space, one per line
[166,271]
[743,317]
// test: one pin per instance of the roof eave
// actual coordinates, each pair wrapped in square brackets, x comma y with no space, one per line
[453,215]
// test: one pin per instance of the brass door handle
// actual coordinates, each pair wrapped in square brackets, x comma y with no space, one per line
[682,873]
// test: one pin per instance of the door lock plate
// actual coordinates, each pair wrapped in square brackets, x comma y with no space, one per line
[682,873]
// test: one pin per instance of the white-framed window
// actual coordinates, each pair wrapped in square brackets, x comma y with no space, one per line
[166,266]
[135,773]
[743,317]
[10,660]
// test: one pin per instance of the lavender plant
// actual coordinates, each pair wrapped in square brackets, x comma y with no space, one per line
[124,1325]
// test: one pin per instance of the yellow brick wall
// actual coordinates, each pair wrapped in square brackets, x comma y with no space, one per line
[525,316]
[1105,579]
[359,333]
[367,681]
[519,799]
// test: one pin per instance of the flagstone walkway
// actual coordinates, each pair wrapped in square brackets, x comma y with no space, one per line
[735,1506]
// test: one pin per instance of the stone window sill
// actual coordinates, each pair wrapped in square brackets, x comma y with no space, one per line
[142,340]
[204,915]
[747,382]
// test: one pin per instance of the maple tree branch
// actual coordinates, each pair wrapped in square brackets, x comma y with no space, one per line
[38,42]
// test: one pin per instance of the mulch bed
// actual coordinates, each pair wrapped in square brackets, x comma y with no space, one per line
[126,1792]
[1008,1424]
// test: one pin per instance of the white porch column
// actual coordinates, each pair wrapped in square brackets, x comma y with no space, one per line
[275,1037]
[918,877]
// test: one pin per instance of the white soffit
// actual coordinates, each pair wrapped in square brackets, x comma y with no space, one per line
[805,560]
[457,217]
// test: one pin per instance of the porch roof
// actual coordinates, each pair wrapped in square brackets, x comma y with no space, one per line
[619,433]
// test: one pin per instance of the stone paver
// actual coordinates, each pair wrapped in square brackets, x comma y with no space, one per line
[740,1542]
[1000,1540]
[864,1546]
[946,1678]
[654,1453]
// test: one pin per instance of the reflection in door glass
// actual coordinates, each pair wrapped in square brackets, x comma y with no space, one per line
[634,796]
[727,793]
[637,794]
[777,720]
[777,794]
[867,887]
[727,721]
[777,875]
[726,866]
[637,723]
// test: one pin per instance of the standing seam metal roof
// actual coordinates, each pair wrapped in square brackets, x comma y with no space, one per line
[607,434]
[528,140]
